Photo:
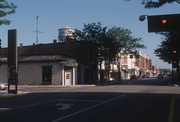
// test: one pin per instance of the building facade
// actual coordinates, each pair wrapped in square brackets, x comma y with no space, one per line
[128,64]
[43,64]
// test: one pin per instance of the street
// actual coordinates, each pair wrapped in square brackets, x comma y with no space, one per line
[146,100]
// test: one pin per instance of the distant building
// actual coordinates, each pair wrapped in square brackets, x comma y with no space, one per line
[144,64]
[65,33]
[128,64]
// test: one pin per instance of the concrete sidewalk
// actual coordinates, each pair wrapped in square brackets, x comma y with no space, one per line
[54,86]
[4,93]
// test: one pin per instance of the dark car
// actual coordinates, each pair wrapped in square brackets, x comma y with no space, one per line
[134,77]
[160,76]
[145,76]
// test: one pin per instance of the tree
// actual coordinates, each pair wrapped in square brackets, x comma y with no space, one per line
[6,9]
[124,39]
[123,42]
[170,43]
[156,4]
[96,43]
[90,41]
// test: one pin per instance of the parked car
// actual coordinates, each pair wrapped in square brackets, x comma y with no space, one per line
[160,76]
[133,77]
[3,85]
[145,76]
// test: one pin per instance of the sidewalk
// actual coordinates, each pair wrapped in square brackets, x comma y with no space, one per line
[4,93]
[55,86]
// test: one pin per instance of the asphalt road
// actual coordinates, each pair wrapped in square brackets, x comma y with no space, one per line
[148,100]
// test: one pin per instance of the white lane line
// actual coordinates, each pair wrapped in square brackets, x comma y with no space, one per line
[4,109]
[31,105]
[72,100]
[86,109]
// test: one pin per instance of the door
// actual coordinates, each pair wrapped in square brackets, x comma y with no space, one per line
[46,74]
[68,78]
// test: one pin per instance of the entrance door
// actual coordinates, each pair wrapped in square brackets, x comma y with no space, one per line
[46,74]
[68,78]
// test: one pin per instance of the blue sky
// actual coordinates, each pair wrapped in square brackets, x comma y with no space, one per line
[54,14]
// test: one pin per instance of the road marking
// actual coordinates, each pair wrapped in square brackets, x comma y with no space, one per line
[29,105]
[4,109]
[72,100]
[172,110]
[89,108]
[62,106]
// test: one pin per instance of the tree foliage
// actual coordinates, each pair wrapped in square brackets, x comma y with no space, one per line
[98,43]
[6,9]
[171,42]
[124,39]
[156,3]
[94,37]
[90,39]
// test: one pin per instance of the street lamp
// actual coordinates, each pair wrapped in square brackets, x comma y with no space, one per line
[142,17]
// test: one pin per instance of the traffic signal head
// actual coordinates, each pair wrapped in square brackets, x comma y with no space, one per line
[164,23]
[174,62]
[174,51]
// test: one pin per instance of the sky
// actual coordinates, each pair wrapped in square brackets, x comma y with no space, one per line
[55,14]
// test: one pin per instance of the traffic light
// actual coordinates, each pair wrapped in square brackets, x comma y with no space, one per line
[175,63]
[174,51]
[164,23]
[175,59]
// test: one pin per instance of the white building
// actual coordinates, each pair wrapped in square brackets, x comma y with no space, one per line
[128,64]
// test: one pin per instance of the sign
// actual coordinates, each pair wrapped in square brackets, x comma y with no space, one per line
[164,23]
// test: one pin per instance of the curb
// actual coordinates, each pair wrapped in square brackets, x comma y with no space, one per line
[6,95]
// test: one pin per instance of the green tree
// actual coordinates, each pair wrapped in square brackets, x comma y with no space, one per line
[96,43]
[165,51]
[156,3]
[90,41]
[171,42]
[124,41]
[6,9]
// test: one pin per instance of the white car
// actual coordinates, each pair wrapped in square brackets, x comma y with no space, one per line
[3,85]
